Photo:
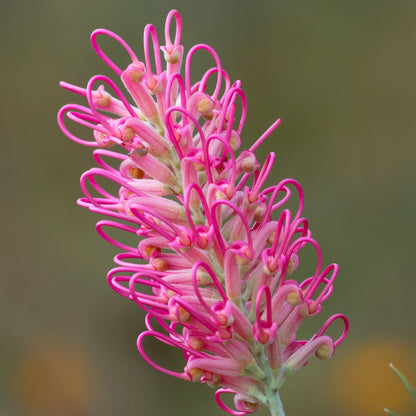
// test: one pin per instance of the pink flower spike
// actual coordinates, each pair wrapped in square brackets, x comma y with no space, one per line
[206,249]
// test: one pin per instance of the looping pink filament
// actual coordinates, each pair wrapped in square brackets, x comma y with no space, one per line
[224,407]
[203,83]
[229,152]
[191,52]
[114,87]
[229,100]
[329,322]
[165,340]
[178,33]
[73,113]
[182,93]
[98,153]
[150,29]
[264,290]
[215,280]
[239,213]
[105,223]
[322,278]
[103,56]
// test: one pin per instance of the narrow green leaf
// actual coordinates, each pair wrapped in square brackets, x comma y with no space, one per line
[404,380]
[390,412]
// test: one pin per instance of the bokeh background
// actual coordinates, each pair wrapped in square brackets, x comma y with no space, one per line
[341,74]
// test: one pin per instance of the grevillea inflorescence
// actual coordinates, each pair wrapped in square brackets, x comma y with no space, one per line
[214,247]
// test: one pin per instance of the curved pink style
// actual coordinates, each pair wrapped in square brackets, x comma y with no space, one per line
[214,265]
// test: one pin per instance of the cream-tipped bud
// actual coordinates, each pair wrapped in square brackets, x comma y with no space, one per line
[136,75]
[205,105]
[293,263]
[270,238]
[195,343]
[148,250]
[128,134]
[172,56]
[202,277]
[235,140]
[196,373]
[259,212]
[183,315]
[101,97]
[159,264]
[324,351]
[294,298]
[136,173]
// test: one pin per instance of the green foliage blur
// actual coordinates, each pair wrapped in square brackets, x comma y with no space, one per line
[341,75]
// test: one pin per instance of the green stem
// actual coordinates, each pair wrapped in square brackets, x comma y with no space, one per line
[275,404]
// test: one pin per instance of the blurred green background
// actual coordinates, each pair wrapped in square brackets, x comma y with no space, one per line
[341,74]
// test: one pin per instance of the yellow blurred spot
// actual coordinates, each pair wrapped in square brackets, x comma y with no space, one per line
[363,381]
[53,378]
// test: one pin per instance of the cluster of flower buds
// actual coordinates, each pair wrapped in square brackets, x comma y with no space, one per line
[214,248]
